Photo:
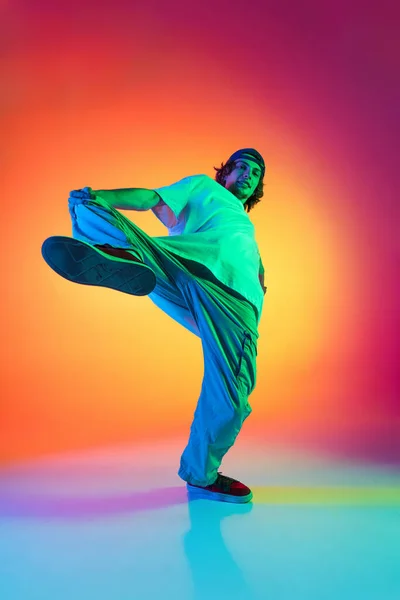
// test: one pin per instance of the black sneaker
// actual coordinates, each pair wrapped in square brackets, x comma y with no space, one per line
[223,489]
[105,266]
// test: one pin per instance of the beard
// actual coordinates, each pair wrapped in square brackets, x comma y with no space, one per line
[240,191]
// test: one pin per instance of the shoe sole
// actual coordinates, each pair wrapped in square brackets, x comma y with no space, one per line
[82,263]
[197,493]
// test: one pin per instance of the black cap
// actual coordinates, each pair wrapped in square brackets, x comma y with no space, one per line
[251,154]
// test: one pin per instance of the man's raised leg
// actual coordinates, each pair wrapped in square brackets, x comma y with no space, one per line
[98,253]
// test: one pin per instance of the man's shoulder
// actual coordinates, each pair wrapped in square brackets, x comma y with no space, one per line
[201,177]
[199,180]
[204,181]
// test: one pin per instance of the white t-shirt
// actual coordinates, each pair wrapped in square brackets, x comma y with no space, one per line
[209,225]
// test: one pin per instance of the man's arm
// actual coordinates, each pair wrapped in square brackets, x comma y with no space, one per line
[175,196]
[129,198]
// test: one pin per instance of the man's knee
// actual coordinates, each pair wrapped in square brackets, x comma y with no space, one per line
[239,410]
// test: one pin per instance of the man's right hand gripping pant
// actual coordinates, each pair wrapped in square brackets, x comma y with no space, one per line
[223,319]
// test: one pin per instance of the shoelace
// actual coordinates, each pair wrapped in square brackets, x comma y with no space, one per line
[224,482]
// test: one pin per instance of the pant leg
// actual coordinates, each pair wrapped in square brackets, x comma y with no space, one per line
[94,222]
[228,330]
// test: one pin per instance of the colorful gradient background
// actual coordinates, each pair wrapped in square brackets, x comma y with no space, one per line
[124,94]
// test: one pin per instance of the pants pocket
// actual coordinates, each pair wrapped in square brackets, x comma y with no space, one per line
[247,367]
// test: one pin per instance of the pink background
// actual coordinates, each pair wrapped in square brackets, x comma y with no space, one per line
[128,95]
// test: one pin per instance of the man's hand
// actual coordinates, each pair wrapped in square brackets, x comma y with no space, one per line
[85,193]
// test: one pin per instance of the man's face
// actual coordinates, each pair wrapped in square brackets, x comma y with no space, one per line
[244,178]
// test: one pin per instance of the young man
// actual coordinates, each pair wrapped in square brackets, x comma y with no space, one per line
[206,274]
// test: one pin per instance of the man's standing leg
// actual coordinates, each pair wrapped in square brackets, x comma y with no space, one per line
[228,330]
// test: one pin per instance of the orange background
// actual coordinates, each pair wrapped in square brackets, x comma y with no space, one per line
[141,96]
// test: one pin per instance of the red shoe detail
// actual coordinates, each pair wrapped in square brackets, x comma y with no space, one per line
[227,486]
[118,252]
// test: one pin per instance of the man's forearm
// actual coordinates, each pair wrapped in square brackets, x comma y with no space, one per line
[129,198]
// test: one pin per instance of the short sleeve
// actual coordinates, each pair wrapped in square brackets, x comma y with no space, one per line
[176,195]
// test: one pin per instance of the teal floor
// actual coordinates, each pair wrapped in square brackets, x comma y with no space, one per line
[116,524]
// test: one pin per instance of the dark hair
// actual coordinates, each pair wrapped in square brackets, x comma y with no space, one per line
[225,170]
